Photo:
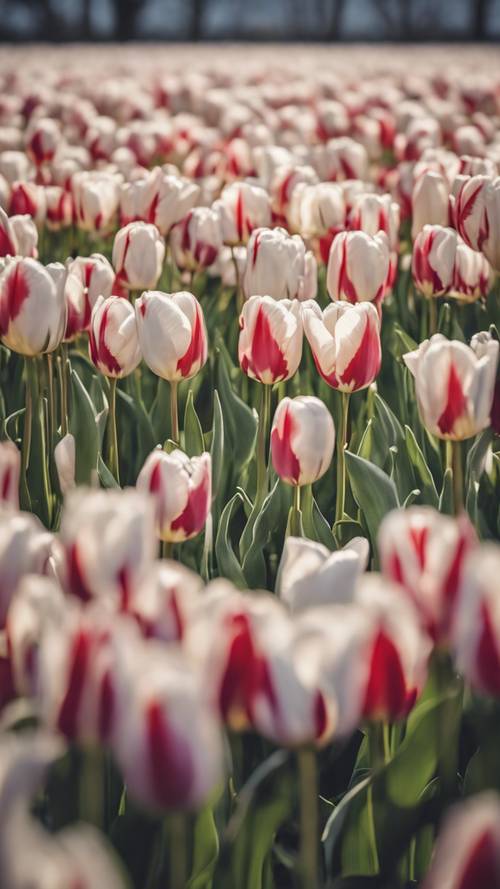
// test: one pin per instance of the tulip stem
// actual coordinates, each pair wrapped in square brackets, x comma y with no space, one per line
[308,786]
[177,851]
[63,386]
[239,298]
[262,437]
[174,412]
[296,523]
[52,401]
[113,461]
[341,447]
[458,493]
[28,420]
[167,549]
[433,316]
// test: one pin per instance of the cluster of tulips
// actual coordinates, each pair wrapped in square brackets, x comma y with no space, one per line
[249,478]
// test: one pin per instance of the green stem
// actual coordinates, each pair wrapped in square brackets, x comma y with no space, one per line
[308,786]
[262,437]
[296,519]
[177,851]
[458,484]
[113,461]
[28,418]
[62,363]
[167,549]
[239,295]
[91,789]
[174,412]
[433,317]
[52,400]
[341,447]
[371,827]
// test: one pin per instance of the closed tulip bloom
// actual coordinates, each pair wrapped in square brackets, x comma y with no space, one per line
[59,207]
[8,243]
[433,260]
[28,199]
[78,307]
[37,602]
[358,267]
[65,460]
[318,211]
[242,208]
[95,197]
[108,542]
[374,213]
[270,344]
[302,440]
[467,851]
[182,491]
[476,635]
[171,334]
[42,140]
[96,275]
[426,552]
[345,342]
[454,384]
[310,575]
[113,338]
[138,254]
[32,306]
[430,201]
[18,236]
[173,198]
[166,600]
[169,746]
[283,183]
[477,213]
[279,265]
[25,548]
[472,275]
[10,469]
[196,240]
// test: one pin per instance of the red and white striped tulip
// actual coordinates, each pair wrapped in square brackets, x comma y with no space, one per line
[172,334]
[18,236]
[477,214]
[165,601]
[28,199]
[454,384]
[32,306]
[10,470]
[279,265]
[59,208]
[430,201]
[476,635]
[426,553]
[270,343]
[95,196]
[302,440]
[318,211]
[345,342]
[472,276]
[374,213]
[43,137]
[311,576]
[284,182]
[138,254]
[159,198]
[113,337]
[196,240]
[96,275]
[433,260]
[358,267]
[242,207]
[25,548]
[182,492]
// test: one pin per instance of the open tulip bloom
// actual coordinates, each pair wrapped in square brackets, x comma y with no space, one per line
[249,468]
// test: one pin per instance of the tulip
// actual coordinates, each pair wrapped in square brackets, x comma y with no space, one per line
[65,460]
[426,552]
[18,236]
[302,440]
[476,629]
[32,307]
[374,213]
[95,196]
[242,208]
[433,261]
[279,265]
[14,166]
[42,140]
[160,198]
[28,199]
[59,208]
[37,602]
[8,244]
[340,159]
[454,384]
[311,576]
[25,548]
[467,852]
[430,201]
[196,240]
[138,253]
[173,339]
[166,600]
[477,213]
[472,275]
[270,343]
[318,211]
[10,468]
[168,746]
[108,543]
[358,267]
[113,337]
[96,275]
[182,491]
[284,182]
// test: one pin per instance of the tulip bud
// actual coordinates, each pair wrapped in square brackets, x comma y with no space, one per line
[172,334]
[32,307]
[477,213]
[8,243]
[318,211]
[345,342]
[374,213]
[196,240]
[28,199]
[311,576]
[168,745]
[38,601]
[358,267]
[95,196]
[108,541]
[96,275]
[340,159]
[472,275]
[182,489]
[138,253]
[25,548]
[467,852]
[454,384]
[165,601]
[270,344]
[10,469]
[433,261]
[278,265]
[476,630]
[65,460]
[42,140]
[59,208]
[160,198]
[113,338]
[25,235]
[425,552]
[430,202]
[284,182]
[302,440]
[242,208]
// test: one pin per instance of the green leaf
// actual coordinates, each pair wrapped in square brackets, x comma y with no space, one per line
[217,446]
[474,470]
[254,564]
[194,444]
[227,562]
[446,497]
[429,494]
[240,422]
[106,477]
[373,490]
[82,424]
[205,850]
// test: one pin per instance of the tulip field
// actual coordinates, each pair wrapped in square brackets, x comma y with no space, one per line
[249,468]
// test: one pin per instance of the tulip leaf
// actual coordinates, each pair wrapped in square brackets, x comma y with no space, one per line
[476,459]
[429,494]
[217,445]
[227,562]
[446,497]
[136,436]
[254,563]
[106,477]
[240,422]
[373,490]
[205,850]
[82,425]
[194,444]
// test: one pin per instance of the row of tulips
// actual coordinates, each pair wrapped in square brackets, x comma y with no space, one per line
[249,478]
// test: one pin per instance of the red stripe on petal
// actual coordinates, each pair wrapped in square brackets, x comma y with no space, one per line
[385,696]
[68,713]
[456,403]
[365,363]
[285,461]
[194,356]
[194,515]
[482,870]
[488,656]
[171,767]
[266,354]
